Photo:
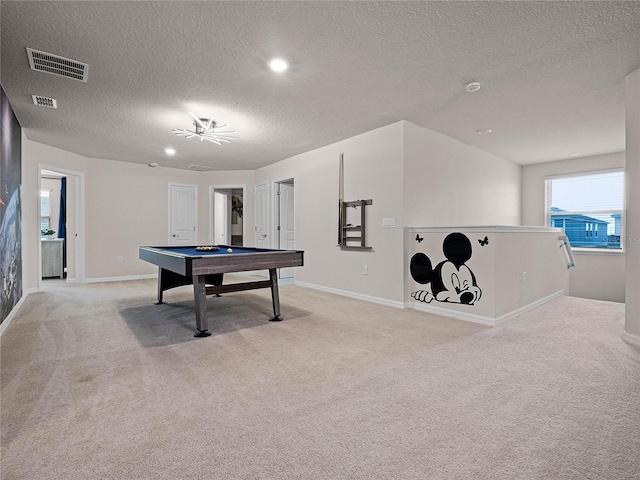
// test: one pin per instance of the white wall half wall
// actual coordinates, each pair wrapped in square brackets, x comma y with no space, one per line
[485,274]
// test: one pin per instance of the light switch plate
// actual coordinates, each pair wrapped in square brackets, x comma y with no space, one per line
[388,223]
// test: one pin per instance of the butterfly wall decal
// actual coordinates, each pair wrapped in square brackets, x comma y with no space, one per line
[483,242]
[419,238]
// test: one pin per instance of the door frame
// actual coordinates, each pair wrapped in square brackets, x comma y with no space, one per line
[276,219]
[79,195]
[195,209]
[221,224]
[212,189]
[268,221]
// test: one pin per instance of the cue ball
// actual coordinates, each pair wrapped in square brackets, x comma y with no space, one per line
[229,250]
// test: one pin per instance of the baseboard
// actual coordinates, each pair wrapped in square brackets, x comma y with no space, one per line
[254,273]
[357,296]
[121,279]
[265,274]
[281,281]
[14,310]
[631,338]
[482,320]
[516,313]
[443,312]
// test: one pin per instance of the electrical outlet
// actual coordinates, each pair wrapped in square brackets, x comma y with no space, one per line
[365,270]
[120,259]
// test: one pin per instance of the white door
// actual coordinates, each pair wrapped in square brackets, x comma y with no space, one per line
[182,215]
[286,228]
[220,208]
[262,240]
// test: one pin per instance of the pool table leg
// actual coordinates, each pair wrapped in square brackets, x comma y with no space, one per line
[275,296]
[160,289]
[200,295]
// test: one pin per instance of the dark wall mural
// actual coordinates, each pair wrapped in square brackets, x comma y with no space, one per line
[10,209]
[451,280]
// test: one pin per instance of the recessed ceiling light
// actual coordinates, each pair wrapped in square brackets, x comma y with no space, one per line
[153,164]
[574,154]
[484,131]
[169,151]
[473,87]
[278,64]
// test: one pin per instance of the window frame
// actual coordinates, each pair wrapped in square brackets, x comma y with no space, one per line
[548,214]
[42,217]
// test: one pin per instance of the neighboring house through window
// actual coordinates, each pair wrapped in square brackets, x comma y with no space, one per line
[588,206]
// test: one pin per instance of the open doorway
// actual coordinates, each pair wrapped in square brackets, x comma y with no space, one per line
[61,225]
[227,215]
[284,216]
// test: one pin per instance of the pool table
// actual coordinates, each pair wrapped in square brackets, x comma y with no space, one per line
[204,270]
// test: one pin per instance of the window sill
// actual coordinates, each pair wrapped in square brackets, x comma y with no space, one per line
[596,251]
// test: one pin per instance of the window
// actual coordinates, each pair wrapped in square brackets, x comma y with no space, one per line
[588,207]
[45,209]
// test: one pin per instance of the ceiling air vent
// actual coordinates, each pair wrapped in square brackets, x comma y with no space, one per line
[198,168]
[44,101]
[49,63]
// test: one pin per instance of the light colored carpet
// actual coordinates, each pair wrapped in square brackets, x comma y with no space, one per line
[100,383]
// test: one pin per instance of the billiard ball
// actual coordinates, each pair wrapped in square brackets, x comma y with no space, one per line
[229,250]
[207,248]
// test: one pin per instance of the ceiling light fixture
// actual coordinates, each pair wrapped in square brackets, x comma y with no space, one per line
[206,129]
[484,131]
[153,164]
[169,151]
[278,64]
[473,87]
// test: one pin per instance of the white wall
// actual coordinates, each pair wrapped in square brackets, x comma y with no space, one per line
[126,206]
[33,154]
[417,176]
[372,170]
[600,276]
[412,174]
[632,218]
[448,183]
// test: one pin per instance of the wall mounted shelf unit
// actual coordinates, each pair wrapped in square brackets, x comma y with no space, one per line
[347,240]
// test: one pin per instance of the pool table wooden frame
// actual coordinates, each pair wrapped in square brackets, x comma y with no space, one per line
[205,271]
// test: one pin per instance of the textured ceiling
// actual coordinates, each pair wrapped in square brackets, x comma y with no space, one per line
[552,75]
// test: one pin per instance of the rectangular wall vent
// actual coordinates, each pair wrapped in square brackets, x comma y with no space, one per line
[199,168]
[44,101]
[50,63]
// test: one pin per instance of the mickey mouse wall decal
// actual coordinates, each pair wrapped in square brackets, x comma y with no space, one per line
[451,280]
